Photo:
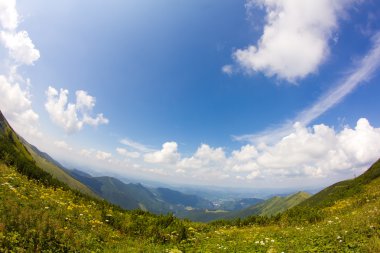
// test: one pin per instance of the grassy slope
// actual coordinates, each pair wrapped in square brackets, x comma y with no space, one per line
[118,192]
[135,196]
[129,196]
[331,194]
[30,153]
[36,217]
[269,207]
[178,198]
[59,173]
[272,206]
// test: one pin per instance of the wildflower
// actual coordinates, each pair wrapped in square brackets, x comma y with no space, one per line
[46,207]
[272,240]
[338,237]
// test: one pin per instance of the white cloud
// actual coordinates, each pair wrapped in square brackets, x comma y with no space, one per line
[205,158]
[227,69]
[364,70]
[8,14]
[129,154]
[101,155]
[20,47]
[86,152]
[84,102]
[303,154]
[63,145]
[135,145]
[168,154]
[314,152]
[98,154]
[246,153]
[16,105]
[15,100]
[295,39]
[71,117]
[362,143]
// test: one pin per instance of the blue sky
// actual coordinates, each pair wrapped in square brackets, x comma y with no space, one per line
[215,92]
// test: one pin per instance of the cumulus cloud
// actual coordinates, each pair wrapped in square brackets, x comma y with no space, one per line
[86,152]
[8,14]
[320,150]
[20,47]
[15,100]
[168,154]
[93,153]
[362,72]
[306,153]
[101,155]
[227,69]
[63,145]
[204,157]
[16,105]
[72,117]
[128,154]
[295,39]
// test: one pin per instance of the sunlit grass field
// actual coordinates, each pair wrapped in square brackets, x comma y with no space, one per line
[37,218]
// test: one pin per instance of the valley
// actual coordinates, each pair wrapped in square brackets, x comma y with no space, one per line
[39,212]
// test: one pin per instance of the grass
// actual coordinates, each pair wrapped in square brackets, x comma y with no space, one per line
[38,213]
[274,205]
[34,217]
[60,174]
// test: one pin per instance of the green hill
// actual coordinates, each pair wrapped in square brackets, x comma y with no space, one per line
[136,196]
[42,160]
[39,213]
[344,189]
[270,207]
[274,205]
[178,198]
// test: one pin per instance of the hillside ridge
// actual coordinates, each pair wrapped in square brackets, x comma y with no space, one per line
[343,189]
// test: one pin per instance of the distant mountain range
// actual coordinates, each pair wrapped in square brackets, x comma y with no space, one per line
[136,196]
[267,207]
[45,207]
[273,205]
[158,200]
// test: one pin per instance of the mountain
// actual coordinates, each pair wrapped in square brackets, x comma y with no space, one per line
[274,205]
[39,213]
[136,196]
[237,204]
[330,195]
[178,198]
[41,159]
[260,207]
